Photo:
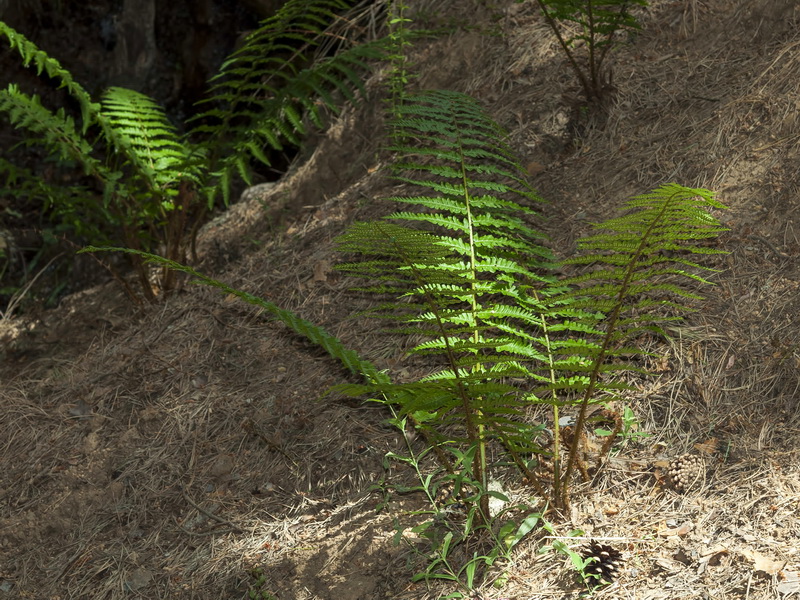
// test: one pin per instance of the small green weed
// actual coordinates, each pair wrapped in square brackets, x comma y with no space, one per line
[256,589]
[462,544]
[626,430]
[586,563]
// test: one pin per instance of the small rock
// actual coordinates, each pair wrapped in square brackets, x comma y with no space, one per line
[222,467]
[137,580]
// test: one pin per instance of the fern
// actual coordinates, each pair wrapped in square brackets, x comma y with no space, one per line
[146,141]
[593,23]
[55,130]
[457,256]
[634,270]
[463,271]
[31,54]
[265,91]
[150,176]
[72,205]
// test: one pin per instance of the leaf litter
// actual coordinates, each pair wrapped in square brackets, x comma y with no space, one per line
[170,452]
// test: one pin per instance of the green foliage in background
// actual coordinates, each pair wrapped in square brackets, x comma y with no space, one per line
[269,92]
[144,184]
[590,29]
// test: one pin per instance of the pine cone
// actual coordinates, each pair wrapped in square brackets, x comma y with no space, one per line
[685,470]
[447,500]
[607,564]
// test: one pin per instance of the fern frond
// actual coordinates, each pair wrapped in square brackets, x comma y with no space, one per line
[315,334]
[142,134]
[31,54]
[457,257]
[74,206]
[637,253]
[264,91]
[56,131]
[596,20]
[629,274]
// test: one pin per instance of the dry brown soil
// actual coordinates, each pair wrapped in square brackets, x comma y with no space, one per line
[168,451]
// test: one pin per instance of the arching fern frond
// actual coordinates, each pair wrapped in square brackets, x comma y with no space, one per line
[72,205]
[647,251]
[635,270]
[31,54]
[264,92]
[462,246]
[314,333]
[55,130]
[145,139]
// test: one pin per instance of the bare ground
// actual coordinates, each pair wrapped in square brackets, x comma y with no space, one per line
[168,452]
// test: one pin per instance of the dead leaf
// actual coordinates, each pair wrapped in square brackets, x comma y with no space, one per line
[137,580]
[534,168]
[222,467]
[764,565]
[680,531]
[790,584]
[710,446]
[669,565]
[91,442]
[714,556]
[321,270]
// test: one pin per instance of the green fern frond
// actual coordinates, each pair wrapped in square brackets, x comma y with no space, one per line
[457,257]
[71,205]
[265,90]
[636,269]
[30,53]
[146,139]
[635,264]
[56,131]
[596,20]
[315,334]
[622,256]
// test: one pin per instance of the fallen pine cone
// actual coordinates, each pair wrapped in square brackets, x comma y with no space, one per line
[685,470]
[607,564]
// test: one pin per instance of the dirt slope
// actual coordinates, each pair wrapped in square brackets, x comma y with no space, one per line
[169,452]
